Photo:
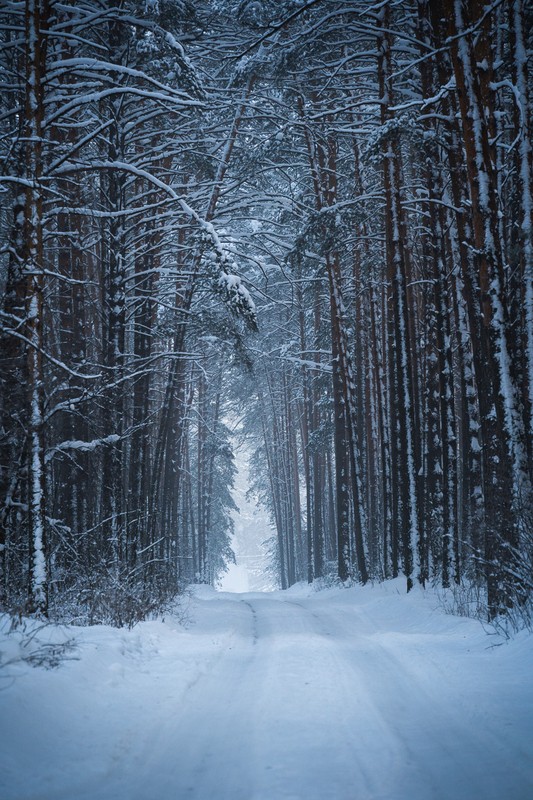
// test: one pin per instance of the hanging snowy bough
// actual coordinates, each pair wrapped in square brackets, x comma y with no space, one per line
[220,263]
[215,255]
[238,297]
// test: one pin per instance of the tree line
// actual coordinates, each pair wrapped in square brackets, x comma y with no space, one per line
[364,171]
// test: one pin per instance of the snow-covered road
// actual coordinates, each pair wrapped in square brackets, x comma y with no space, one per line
[339,695]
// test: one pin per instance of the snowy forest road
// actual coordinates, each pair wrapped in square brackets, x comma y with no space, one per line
[295,696]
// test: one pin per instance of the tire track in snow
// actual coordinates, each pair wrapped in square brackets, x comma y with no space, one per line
[442,748]
[254,617]
[311,701]
[201,750]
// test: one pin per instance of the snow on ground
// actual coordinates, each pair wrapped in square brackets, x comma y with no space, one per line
[235,579]
[358,694]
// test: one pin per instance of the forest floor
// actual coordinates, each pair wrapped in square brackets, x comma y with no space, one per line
[357,694]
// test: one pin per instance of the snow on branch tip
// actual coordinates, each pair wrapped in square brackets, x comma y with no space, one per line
[235,293]
[238,297]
